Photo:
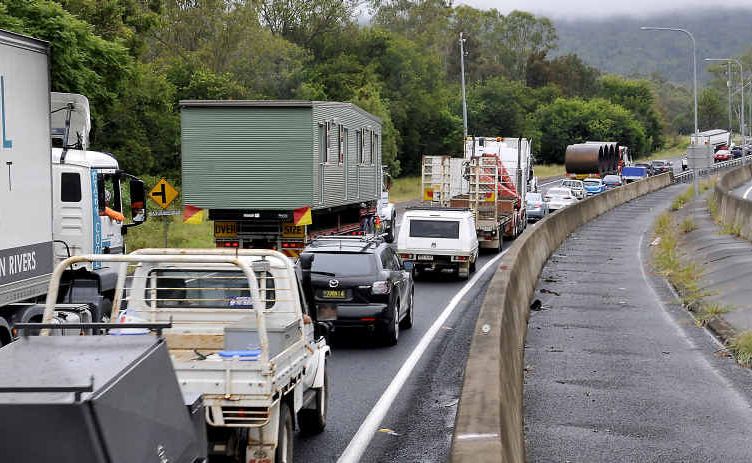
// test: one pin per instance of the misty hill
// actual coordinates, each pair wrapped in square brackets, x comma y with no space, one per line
[617,44]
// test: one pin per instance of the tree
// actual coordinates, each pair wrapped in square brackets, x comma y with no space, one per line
[637,97]
[523,36]
[302,21]
[711,109]
[568,72]
[570,121]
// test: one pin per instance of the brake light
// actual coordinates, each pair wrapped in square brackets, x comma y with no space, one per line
[228,244]
[459,258]
[368,319]
[380,287]
[407,256]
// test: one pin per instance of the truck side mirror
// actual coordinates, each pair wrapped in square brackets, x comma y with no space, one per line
[138,201]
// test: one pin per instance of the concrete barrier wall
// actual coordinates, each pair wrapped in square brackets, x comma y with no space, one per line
[489,425]
[735,210]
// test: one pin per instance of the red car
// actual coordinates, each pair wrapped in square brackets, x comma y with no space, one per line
[722,155]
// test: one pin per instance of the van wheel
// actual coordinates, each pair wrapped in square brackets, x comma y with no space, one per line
[283,452]
[463,271]
[313,421]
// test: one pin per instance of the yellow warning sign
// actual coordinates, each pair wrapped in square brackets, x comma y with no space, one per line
[225,229]
[290,230]
[163,193]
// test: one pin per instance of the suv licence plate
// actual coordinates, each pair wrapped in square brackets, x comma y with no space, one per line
[333,293]
[425,257]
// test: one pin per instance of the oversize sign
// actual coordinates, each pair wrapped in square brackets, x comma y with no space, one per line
[290,230]
[225,229]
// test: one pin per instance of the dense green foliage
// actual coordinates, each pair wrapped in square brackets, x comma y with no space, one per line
[136,59]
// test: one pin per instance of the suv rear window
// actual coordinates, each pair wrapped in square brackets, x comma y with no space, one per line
[435,229]
[219,289]
[344,263]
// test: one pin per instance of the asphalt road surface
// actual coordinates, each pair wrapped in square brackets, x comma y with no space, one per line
[616,370]
[744,191]
[418,427]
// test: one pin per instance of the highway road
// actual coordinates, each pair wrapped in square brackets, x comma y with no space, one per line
[744,191]
[418,425]
[616,369]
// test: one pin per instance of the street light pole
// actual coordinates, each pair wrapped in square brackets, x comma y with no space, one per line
[694,87]
[464,101]
[741,112]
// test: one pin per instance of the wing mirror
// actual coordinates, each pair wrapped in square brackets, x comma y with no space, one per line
[138,201]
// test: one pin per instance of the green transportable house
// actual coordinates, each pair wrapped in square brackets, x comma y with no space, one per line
[266,158]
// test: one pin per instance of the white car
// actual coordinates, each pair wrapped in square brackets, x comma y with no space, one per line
[559,198]
[437,239]
[577,187]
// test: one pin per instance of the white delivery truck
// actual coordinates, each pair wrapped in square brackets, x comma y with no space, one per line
[54,203]
[240,339]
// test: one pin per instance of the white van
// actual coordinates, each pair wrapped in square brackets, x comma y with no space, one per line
[436,239]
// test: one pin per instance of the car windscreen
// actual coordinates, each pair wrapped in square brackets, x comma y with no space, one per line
[592,183]
[434,229]
[219,289]
[343,264]
[534,197]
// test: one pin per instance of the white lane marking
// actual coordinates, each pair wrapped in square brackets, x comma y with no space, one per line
[550,183]
[370,425]
[747,192]
[477,436]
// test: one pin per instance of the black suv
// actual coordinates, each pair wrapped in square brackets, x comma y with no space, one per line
[358,282]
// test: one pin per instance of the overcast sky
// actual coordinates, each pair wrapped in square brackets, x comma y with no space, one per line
[570,9]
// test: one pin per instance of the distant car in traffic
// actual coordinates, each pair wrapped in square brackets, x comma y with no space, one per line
[612,181]
[559,198]
[722,155]
[577,187]
[660,166]
[594,186]
[536,207]
[359,282]
[737,152]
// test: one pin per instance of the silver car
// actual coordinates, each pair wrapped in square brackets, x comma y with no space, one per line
[536,208]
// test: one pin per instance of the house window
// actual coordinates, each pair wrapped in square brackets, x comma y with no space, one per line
[375,148]
[359,146]
[342,145]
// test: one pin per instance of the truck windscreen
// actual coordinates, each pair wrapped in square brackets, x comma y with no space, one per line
[435,229]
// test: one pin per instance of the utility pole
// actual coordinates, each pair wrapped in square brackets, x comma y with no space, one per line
[464,100]
[728,84]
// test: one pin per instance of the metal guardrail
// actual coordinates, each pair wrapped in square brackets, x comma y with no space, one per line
[688,176]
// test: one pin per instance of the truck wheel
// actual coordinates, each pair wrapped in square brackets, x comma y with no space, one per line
[283,452]
[463,271]
[391,332]
[313,420]
[472,265]
[407,322]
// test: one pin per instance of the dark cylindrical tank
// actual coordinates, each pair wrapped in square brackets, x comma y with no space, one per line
[584,158]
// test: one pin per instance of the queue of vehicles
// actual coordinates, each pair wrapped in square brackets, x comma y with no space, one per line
[238,334]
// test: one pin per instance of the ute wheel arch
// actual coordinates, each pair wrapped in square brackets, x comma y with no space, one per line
[6,336]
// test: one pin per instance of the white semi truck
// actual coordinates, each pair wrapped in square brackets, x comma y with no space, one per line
[54,202]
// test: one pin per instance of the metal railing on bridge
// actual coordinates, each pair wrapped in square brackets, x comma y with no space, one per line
[688,176]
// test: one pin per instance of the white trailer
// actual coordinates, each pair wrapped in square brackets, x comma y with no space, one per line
[717,138]
[54,202]
[240,339]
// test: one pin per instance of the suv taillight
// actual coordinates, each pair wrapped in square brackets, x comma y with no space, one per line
[380,287]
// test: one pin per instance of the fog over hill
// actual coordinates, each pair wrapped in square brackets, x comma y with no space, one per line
[617,45]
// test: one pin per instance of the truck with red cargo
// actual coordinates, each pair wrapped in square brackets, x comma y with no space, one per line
[491,180]
[277,174]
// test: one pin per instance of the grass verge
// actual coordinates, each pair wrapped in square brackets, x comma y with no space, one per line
[180,235]
[549,170]
[741,346]
[404,189]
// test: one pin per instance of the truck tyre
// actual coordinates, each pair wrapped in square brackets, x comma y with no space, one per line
[463,271]
[313,420]
[391,331]
[407,322]
[390,232]
[472,265]
[283,452]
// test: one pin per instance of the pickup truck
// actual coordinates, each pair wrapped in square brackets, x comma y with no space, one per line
[241,340]
[439,238]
